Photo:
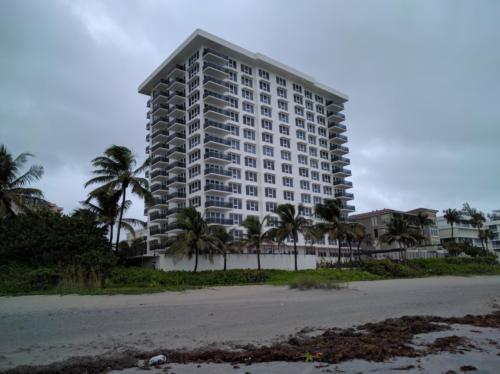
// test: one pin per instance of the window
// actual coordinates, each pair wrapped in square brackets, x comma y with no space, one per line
[236,218]
[304,172]
[193,58]
[301,135]
[194,70]
[233,89]
[246,69]
[270,192]
[249,121]
[246,81]
[284,142]
[265,111]
[316,188]
[267,138]
[195,202]
[235,144]
[268,164]
[305,198]
[286,168]
[236,187]
[326,178]
[286,155]
[247,107]
[323,143]
[194,126]
[310,116]
[299,122]
[194,171]
[314,163]
[281,92]
[194,156]
[320,109]
[323,154]
[235,130]
[325,166]
[301,147]
[321,131]
[237,203]
[264,98]
[194,141]
[308,94]
[311,128]
[193,84]
[282,104]
[251,190]
[311,139]
[250,148]
[271,206]
[280,81]
[319,99]
[232,63]
[268,151]
[235,158]
[309,105]
[303,159]
[285,130]
[299,111]
[265,86]
[253,205]
[327,190]
[236,173]
[263,74]
[247,94]
[305,185]
[249,134]
[270,178]
[283,117]
[233,76]
[314,175]
[194,98]
[233,103]
[297,99]
[250,162]
[288,195]
[194,187]
[233,116]
[267,124]
[287,182]
[317,200]
[251,176]
[194,112]
[297,87]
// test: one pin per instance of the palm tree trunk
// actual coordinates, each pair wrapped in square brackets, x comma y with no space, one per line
[111,228]
[258,256]
[339,258]
[452,238]
[120,219]
[295,253]
[350,252]
[357,251]
[195,259]
[225,260]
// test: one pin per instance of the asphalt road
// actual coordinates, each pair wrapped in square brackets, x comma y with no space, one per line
[44,329]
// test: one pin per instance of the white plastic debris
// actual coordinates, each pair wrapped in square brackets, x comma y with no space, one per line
[157,360]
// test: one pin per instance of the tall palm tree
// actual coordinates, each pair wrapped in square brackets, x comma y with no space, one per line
[290,224]
[195,239]
[14,192]
[422,220]
[116,170]
[360,235]
[400,231]
[331,223]
[477,220]
[106,207]
[256,234]
[485,235]
[452,216]
[225,242]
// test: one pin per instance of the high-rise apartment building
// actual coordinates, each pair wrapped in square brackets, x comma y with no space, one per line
[234,133]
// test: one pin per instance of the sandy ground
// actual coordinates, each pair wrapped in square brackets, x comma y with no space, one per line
[44,329]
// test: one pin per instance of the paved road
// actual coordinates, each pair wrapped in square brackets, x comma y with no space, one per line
[43,329]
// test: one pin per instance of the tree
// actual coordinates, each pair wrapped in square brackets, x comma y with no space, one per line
[331,223]
[14,192]
[116,170]
[477,220]
[106,207]
[360,236]
[452,216]
[422,220]
[290,224]
[256,235]
[195,237]
[400,231]
[225,242]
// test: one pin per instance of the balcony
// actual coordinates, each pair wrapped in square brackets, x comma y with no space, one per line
[217,127]
[176,153]
[157,216]
[216,70]
[337,127]
[160,202]
[176,196]
[173,211]
[176,138]
[159,121]
[175,166]
[219,221]
[217,142]
[176,83]
[347,208]
[177,71]
[158,108]
[212,55]
[159,97]
[215,98]
[336,117]
[340,161]
[342,195]
[216,113]
[177,97]
[216,172]
[338,149]
[159,147]
[218,204]
[342,184]
[178,109]
[217,157]
[334,106]
[176,181]
[158,174]
[218,188]
[176,124]
[159,161]
[341,172]
[215,84]
[159,187]
[156,231]
[338,139]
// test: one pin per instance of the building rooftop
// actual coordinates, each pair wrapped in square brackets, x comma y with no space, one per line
[389,211]
[200,37]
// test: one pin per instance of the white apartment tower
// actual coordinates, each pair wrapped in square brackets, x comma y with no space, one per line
[234,133]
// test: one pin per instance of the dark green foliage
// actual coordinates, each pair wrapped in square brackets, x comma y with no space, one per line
[16,279]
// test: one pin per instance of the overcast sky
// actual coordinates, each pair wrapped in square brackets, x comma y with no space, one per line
[423,79]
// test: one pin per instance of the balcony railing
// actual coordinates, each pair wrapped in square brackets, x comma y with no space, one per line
[214,94]
[179,135]
[348,207]
[217,125]
[336,158]
[158,159]
[157,230]
[160,132]
[171,151]
[158,187]
[159,173]
[340,115]
[339,126]
[214,52]
[344,194]
[159,201]
[218,187]
[159,119]
[176,107]
[341,170]
[209,79]
[157,215]
[216,67]
[219,155]
[173,165]
[211,108]
[217,171]
[177,179]
[342,138]
[219,221]
[159,146]
[218,204]
[176,195]
[330,102]
[214,139]
[342,183]
[334,147]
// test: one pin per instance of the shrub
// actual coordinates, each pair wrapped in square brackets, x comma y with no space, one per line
[312,283]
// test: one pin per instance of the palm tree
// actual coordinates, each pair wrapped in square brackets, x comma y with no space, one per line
[256,235]
[290,224]
[195,237]
[331,224]
[13,190]
[485,235]
[422,220]
[452,216]
[106,207]
[477,220]
[399,230]
[225,242]
[360,236]
[116,170]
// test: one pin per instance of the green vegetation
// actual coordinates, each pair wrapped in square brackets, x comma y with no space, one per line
[18,279]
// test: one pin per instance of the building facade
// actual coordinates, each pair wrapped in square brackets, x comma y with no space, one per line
[234,133]
[376,225]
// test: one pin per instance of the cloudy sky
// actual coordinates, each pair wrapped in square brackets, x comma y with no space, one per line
[423,79]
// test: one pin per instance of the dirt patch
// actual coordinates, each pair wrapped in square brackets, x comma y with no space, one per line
[373,342]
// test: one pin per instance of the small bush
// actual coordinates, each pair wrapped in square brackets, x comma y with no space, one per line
[311,283]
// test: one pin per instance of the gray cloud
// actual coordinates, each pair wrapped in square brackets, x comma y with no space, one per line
[423,78]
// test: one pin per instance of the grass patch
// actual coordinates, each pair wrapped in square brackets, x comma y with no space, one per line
[23,280]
